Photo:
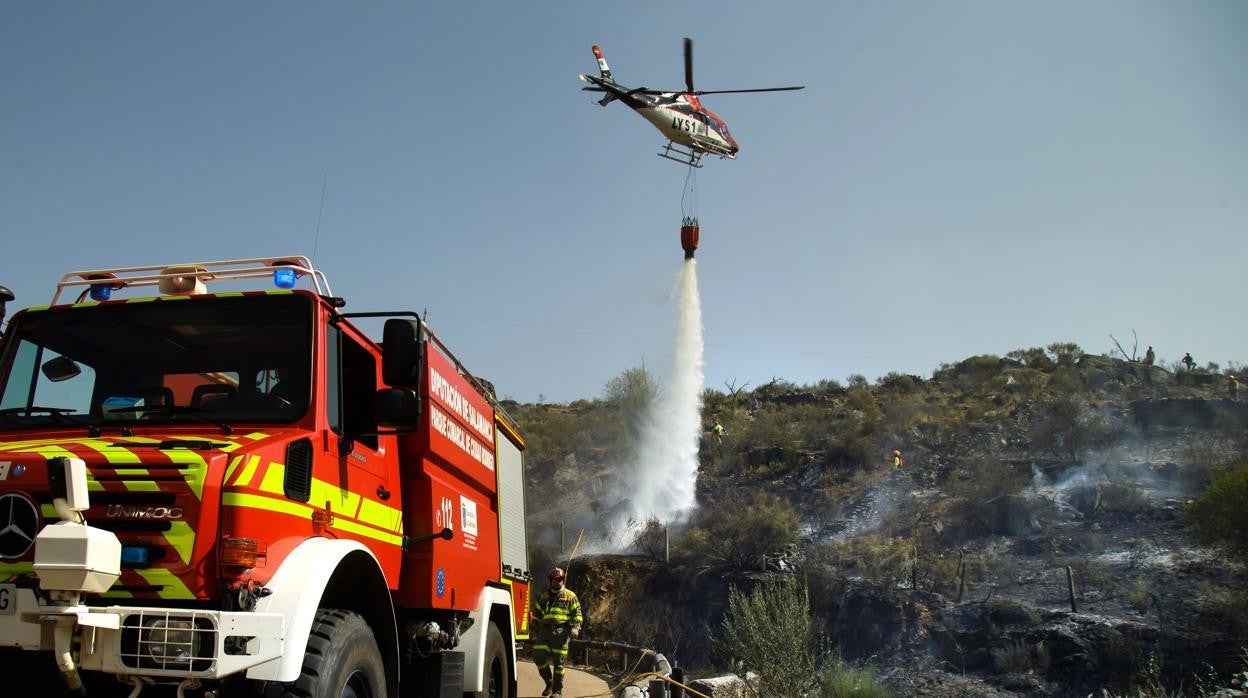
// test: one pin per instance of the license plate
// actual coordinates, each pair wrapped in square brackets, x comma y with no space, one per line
[8,599]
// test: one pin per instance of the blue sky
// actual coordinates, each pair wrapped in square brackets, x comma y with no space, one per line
[958,177]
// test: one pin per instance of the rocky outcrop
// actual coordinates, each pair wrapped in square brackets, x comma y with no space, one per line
[1194,413]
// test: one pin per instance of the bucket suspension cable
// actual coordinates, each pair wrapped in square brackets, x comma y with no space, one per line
[689,197]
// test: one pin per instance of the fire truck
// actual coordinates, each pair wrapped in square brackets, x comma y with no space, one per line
[238,492]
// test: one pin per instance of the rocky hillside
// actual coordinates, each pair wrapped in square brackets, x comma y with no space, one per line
[1036,540]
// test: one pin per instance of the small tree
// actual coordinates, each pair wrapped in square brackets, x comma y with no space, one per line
[628,396]
[740,534]
[1220,515]
[768,632]
[651,540]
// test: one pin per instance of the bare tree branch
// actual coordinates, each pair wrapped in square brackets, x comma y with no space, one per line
[1134,347]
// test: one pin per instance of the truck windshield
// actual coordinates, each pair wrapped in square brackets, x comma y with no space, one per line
[243,358]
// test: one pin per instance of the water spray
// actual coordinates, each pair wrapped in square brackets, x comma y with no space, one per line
[667,450]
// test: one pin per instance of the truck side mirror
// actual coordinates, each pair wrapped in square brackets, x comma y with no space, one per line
[5,297]
[397,408]
[62,368]
[401,347]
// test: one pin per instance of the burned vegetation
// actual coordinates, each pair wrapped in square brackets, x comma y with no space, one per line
[1054,523]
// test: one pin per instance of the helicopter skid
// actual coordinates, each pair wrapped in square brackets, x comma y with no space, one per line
[675,153]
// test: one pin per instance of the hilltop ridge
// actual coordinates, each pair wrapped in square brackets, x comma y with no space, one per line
[952,568]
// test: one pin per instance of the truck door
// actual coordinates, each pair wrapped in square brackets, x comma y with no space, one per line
[366,462]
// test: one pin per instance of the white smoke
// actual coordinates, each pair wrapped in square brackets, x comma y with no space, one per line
[661,483]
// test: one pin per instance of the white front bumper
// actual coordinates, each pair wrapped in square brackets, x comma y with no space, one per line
[121,639]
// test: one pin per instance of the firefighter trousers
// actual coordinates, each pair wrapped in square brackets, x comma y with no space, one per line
[549,653]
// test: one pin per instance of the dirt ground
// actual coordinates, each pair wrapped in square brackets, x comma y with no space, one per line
[576,684]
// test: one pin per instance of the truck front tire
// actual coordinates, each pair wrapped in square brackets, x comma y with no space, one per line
[342,660]
[497,677]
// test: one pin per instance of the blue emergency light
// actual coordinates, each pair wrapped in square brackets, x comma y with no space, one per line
[284,278]
[135,554]
[101,292]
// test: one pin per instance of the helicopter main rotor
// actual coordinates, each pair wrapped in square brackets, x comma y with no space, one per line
[689,81]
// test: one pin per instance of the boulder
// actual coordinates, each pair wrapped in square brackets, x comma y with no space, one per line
[730,686]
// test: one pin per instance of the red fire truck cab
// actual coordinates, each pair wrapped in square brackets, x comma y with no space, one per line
[239,491]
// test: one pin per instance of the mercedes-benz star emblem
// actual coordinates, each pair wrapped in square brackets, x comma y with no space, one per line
[19,522]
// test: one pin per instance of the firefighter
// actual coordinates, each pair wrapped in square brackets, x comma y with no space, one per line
[1188,361]
[1149,356]
[557,619]
[1232,386]
[896,460]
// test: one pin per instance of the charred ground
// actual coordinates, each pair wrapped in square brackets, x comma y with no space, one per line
[949,575]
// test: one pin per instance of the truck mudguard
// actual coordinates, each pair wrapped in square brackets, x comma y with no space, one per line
[297,589]
[472,642]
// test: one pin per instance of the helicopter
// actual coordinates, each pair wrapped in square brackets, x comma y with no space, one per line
[691,129]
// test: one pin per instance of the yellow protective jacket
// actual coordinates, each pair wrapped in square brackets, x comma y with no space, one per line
[555,609]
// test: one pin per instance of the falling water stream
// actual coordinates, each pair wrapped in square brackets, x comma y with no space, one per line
[662,481]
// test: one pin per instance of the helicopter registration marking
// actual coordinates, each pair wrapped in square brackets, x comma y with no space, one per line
[688,126]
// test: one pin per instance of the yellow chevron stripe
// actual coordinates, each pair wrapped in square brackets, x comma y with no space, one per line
[249,471]
[229,469]
[343,502]
[274,480]
[194,476]
[157,298]
[10,569]
[114,455]
[256,501]
[360,530]
[173,586]
[181,537]
[380,515]
[139,485]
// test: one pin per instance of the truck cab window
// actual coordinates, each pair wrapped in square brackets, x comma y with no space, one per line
[29,386]
[352,386]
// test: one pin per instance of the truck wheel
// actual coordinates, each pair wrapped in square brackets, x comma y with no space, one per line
[342,660]
[497,675]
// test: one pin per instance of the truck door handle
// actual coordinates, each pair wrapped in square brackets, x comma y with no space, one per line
[383,493]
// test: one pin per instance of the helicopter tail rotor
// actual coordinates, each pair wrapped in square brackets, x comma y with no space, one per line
[603,69]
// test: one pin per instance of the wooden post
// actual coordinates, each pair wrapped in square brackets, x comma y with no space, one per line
[961,576]
[667,545]
[1070,588]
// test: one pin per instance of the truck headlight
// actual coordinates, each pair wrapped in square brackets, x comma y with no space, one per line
[168,640]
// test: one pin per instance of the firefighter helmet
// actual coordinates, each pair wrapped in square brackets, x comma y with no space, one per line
[557,574]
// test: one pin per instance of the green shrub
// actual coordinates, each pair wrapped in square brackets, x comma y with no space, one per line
[1220,515]
[1123,494]
[878,559]
[769,632]
[1065,353]
[843,680]
[1067,426]
[740,534]
[651,540]
[1034,357]
[1013,658]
